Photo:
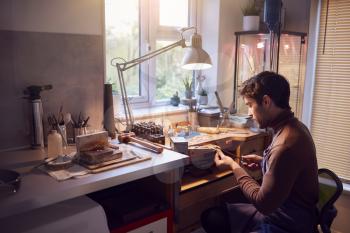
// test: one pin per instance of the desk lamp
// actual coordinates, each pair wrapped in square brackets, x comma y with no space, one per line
[195,58]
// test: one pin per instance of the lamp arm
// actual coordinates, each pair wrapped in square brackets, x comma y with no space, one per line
[127,65]
[123,66]
[128,114]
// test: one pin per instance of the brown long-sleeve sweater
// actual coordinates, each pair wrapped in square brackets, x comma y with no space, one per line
[291,169]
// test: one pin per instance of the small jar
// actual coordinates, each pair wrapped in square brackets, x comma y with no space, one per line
[54,144]
[80,131]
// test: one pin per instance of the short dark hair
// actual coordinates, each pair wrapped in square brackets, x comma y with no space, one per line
[268,83]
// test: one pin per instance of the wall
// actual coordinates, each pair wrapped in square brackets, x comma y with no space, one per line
[56,42]
[5,13]
[55,16]
[210,9]
[219,22]
[231,22]
[297,15]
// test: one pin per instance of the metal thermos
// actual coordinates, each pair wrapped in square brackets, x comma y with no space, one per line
[36,115]
[37,129]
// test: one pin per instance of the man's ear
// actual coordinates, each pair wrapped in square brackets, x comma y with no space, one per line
[266,101]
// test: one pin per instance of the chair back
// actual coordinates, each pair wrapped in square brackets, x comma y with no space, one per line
[330,188]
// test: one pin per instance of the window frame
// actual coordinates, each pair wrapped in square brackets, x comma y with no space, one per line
[150,32]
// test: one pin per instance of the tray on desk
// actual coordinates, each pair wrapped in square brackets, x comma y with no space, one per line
[126,159]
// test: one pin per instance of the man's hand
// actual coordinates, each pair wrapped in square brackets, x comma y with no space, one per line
[251,161]
[222,160]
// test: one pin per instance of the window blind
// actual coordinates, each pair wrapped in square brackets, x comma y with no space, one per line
[330,122]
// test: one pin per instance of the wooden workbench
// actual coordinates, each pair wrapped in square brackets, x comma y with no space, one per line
[187,195]
[200,193]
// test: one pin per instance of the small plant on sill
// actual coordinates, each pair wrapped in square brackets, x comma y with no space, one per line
[175,100]
[203,92]
[187,83]
[202,97]
[188,87]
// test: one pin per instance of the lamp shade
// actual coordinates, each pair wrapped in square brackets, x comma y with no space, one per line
[195,57]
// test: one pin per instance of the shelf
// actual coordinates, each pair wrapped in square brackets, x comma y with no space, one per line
[302,34]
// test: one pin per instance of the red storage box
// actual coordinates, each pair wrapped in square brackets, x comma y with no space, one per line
[157,223]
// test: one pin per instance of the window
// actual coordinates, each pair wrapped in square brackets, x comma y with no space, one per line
[330,122]
[122,35]
[134,28]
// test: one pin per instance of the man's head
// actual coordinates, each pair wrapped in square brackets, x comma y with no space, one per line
[266,95]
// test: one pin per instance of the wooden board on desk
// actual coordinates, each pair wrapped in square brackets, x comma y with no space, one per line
[230,134]
[124,161]
[123,157]
[121,164]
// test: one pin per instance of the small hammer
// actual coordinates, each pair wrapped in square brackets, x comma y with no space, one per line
[130,137]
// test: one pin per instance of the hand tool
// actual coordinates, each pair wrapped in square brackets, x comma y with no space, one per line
[130,137]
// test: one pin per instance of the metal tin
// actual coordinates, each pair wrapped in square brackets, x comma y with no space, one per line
[209,117]
[179,144]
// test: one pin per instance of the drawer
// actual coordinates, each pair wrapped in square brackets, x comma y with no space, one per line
[207,191]
[193,202]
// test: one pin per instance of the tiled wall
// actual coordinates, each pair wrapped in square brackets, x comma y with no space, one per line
[72,63]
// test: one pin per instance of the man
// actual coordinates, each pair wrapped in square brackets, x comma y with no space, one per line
[286,199]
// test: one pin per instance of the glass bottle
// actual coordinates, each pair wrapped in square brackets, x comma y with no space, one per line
[54,144]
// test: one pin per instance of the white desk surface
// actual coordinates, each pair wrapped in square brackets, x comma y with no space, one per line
[39,189]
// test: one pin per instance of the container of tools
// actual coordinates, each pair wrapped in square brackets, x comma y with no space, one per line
[209,117]
[150,131]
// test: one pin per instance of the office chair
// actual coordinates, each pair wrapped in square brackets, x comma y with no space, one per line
[330,188]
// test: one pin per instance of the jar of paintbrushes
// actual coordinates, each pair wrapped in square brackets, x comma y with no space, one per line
[68,126]
[57,124]
[80,125]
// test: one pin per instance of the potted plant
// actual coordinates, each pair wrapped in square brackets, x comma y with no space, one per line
[203,97]
[175,100]
[188,87]
[251,16]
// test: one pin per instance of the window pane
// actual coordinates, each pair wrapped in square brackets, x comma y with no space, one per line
[173,13]
[253,58]
[122,40]
[292,66]
[169,74]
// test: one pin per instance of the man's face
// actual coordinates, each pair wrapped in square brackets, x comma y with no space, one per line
[258,112]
